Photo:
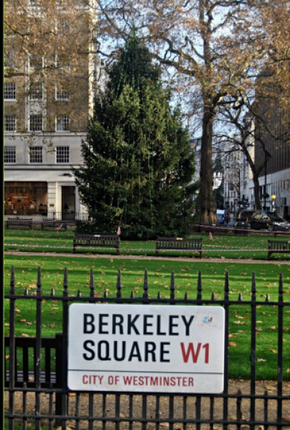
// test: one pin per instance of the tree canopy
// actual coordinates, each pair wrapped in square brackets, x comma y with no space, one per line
[216,48]
[138,164]
[49,49]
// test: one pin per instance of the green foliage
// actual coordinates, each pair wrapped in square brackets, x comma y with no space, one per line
[138,165]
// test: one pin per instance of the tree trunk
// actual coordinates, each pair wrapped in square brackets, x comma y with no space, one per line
[257,191]
[207,205]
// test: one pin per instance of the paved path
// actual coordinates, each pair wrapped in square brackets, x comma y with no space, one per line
[146,257]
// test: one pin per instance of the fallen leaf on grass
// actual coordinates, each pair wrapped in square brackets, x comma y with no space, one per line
[232,344]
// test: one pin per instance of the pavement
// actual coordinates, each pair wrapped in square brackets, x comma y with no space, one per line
[147,257]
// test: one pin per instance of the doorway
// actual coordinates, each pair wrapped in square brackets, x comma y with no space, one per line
[68,199]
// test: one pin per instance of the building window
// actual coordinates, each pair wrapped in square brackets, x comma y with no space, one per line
[63,61]
[10,154]
[10,59]
[10,123]
[61,94]
[62,154]
[35,61]
[10,91]
[34,3]
[64,25]
[35,122]
[62,123]
[35,154]
[36,91]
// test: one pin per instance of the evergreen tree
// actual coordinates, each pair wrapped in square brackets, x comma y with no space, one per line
[138,165]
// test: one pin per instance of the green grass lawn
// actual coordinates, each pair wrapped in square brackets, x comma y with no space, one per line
[242,247]
[159,276]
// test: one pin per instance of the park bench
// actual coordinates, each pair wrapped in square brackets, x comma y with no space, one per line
[278,246]
[178,244]
[19,222]
[97,240]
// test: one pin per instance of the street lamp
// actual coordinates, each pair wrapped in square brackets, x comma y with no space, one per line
[273,197]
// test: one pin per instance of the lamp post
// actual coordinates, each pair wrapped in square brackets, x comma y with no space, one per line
[273,197]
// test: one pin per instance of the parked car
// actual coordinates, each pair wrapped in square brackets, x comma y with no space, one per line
[262,219]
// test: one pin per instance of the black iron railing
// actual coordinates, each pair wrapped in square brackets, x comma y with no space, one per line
[53,403]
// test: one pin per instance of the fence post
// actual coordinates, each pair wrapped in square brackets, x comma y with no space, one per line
[12,350]
[37,358]
[280,352]
[58,372]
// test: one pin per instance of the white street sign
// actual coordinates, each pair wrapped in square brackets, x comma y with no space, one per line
[146,348]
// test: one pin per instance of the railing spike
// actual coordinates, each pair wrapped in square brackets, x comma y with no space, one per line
[172,286]
[92,284]
[199,286]
[38,278]
[12,280]
[119,285]
[145,286]
[65,279]
[253,283]
[227,286]
[280,294]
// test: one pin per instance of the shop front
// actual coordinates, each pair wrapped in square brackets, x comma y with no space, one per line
[25,198]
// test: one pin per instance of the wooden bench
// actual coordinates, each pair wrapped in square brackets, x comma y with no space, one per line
[278,246]
[178,244]
[19,222]
[97,240]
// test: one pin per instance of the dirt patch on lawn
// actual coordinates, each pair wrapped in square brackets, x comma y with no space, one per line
[163,408]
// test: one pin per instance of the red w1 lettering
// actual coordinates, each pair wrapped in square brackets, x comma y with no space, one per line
[194,352]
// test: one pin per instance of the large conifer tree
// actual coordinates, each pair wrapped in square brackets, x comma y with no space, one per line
[138,165]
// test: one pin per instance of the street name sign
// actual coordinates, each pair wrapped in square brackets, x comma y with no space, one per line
[146,348]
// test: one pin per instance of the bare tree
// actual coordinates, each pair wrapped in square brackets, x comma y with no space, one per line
[216,48]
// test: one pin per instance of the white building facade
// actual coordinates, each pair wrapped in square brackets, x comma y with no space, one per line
[47,108]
